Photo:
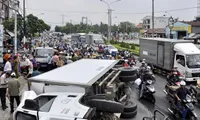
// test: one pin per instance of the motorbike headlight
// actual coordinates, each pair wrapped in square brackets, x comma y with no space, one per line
[188,74]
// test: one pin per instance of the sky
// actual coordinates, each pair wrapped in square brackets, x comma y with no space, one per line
[51,11]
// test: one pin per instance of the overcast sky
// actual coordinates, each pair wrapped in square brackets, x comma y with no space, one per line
[96,10]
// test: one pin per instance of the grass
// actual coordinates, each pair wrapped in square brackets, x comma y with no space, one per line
[136,51]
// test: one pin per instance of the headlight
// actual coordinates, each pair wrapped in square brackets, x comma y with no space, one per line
[188,74]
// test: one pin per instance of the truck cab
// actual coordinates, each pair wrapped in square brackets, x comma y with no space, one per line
[41,54]
[187,60]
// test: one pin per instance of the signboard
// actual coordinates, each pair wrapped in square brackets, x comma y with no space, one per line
[182,28]
[1,43]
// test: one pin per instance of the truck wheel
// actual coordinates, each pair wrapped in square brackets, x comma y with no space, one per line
[118,66]
[128,114]
[106,105]
[130,106]
[127,71]
[128,78]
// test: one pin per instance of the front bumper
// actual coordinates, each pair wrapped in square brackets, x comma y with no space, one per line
[192,79]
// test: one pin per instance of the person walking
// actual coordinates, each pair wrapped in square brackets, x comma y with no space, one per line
[13,91]
[3,87]
[8,66]
[49,61]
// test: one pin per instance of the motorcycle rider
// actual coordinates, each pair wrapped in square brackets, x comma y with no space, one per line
[180,95]
[174,75]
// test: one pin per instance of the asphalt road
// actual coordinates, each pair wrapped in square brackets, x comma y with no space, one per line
[161,101]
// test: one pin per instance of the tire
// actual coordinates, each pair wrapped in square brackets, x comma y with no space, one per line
[106,105]
[127,71]
[128,114]
[130,106]
[153,99]
[118,66]
[128,78]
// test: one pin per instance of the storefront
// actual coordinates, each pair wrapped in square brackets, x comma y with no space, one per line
[178,30]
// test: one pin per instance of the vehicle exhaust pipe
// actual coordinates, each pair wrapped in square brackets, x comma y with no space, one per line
[165,92]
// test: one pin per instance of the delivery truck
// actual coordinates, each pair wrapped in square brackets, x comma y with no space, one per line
[163,54]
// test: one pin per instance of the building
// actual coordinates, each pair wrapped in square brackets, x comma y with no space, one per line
[183,29]
[140,26]
[160,24]
[4,10]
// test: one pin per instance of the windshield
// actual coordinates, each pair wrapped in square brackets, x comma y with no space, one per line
[111,47]
[97,37]
[193,61]
[99,41]
[44,52]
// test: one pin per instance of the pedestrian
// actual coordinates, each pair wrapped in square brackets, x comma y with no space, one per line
[55,60]
[34,62]
[49,61]
[16,66]
[8,66]
[60,62]
[13,91]
[3,87]
[6,56]
[30,69]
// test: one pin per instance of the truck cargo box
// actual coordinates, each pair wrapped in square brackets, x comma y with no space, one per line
[159,51]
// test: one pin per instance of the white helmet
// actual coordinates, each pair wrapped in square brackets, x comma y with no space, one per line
[13,74]
[182,83]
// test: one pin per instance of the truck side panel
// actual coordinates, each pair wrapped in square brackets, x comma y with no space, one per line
[148,51]
[157,53]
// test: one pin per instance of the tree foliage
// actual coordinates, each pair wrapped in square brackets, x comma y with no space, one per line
[124,27]
[33,25]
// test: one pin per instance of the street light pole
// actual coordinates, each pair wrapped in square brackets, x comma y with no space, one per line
[109,17]
[153,18]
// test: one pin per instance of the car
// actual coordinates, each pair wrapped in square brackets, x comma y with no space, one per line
[111,49]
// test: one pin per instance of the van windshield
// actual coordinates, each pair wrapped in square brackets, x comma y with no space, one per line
[193,61]
[43,52]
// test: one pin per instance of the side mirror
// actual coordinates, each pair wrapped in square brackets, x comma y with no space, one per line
[31,105]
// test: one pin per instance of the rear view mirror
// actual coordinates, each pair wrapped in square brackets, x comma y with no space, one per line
[31,105]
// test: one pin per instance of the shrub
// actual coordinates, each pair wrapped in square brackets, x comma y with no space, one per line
[133,46]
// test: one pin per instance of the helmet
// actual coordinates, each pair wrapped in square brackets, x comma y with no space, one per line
[182,83]
[143,62]
[13,74]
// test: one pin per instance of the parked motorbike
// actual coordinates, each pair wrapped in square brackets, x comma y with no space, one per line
[186,109]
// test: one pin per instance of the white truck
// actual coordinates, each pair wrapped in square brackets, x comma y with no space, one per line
[88,89]
[41,54]
[164,54]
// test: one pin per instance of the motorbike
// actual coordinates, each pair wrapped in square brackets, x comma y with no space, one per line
[174,81]
[147,89]
[195,93]
[185,110]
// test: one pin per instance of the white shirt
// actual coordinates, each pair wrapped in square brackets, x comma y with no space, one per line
[30,69]
[7,67]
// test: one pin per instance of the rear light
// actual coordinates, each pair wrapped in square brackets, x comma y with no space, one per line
[90,114]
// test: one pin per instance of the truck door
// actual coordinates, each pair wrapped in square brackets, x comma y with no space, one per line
[160,57]
[179,62]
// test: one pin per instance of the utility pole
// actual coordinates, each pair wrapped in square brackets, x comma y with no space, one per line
[16,5]
[24,12]
[153,18]
[109,23]
[63,19]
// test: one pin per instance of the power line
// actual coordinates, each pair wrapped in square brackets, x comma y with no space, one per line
[79,12]
[172,10]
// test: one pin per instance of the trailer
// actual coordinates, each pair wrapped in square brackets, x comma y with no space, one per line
[163,54]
